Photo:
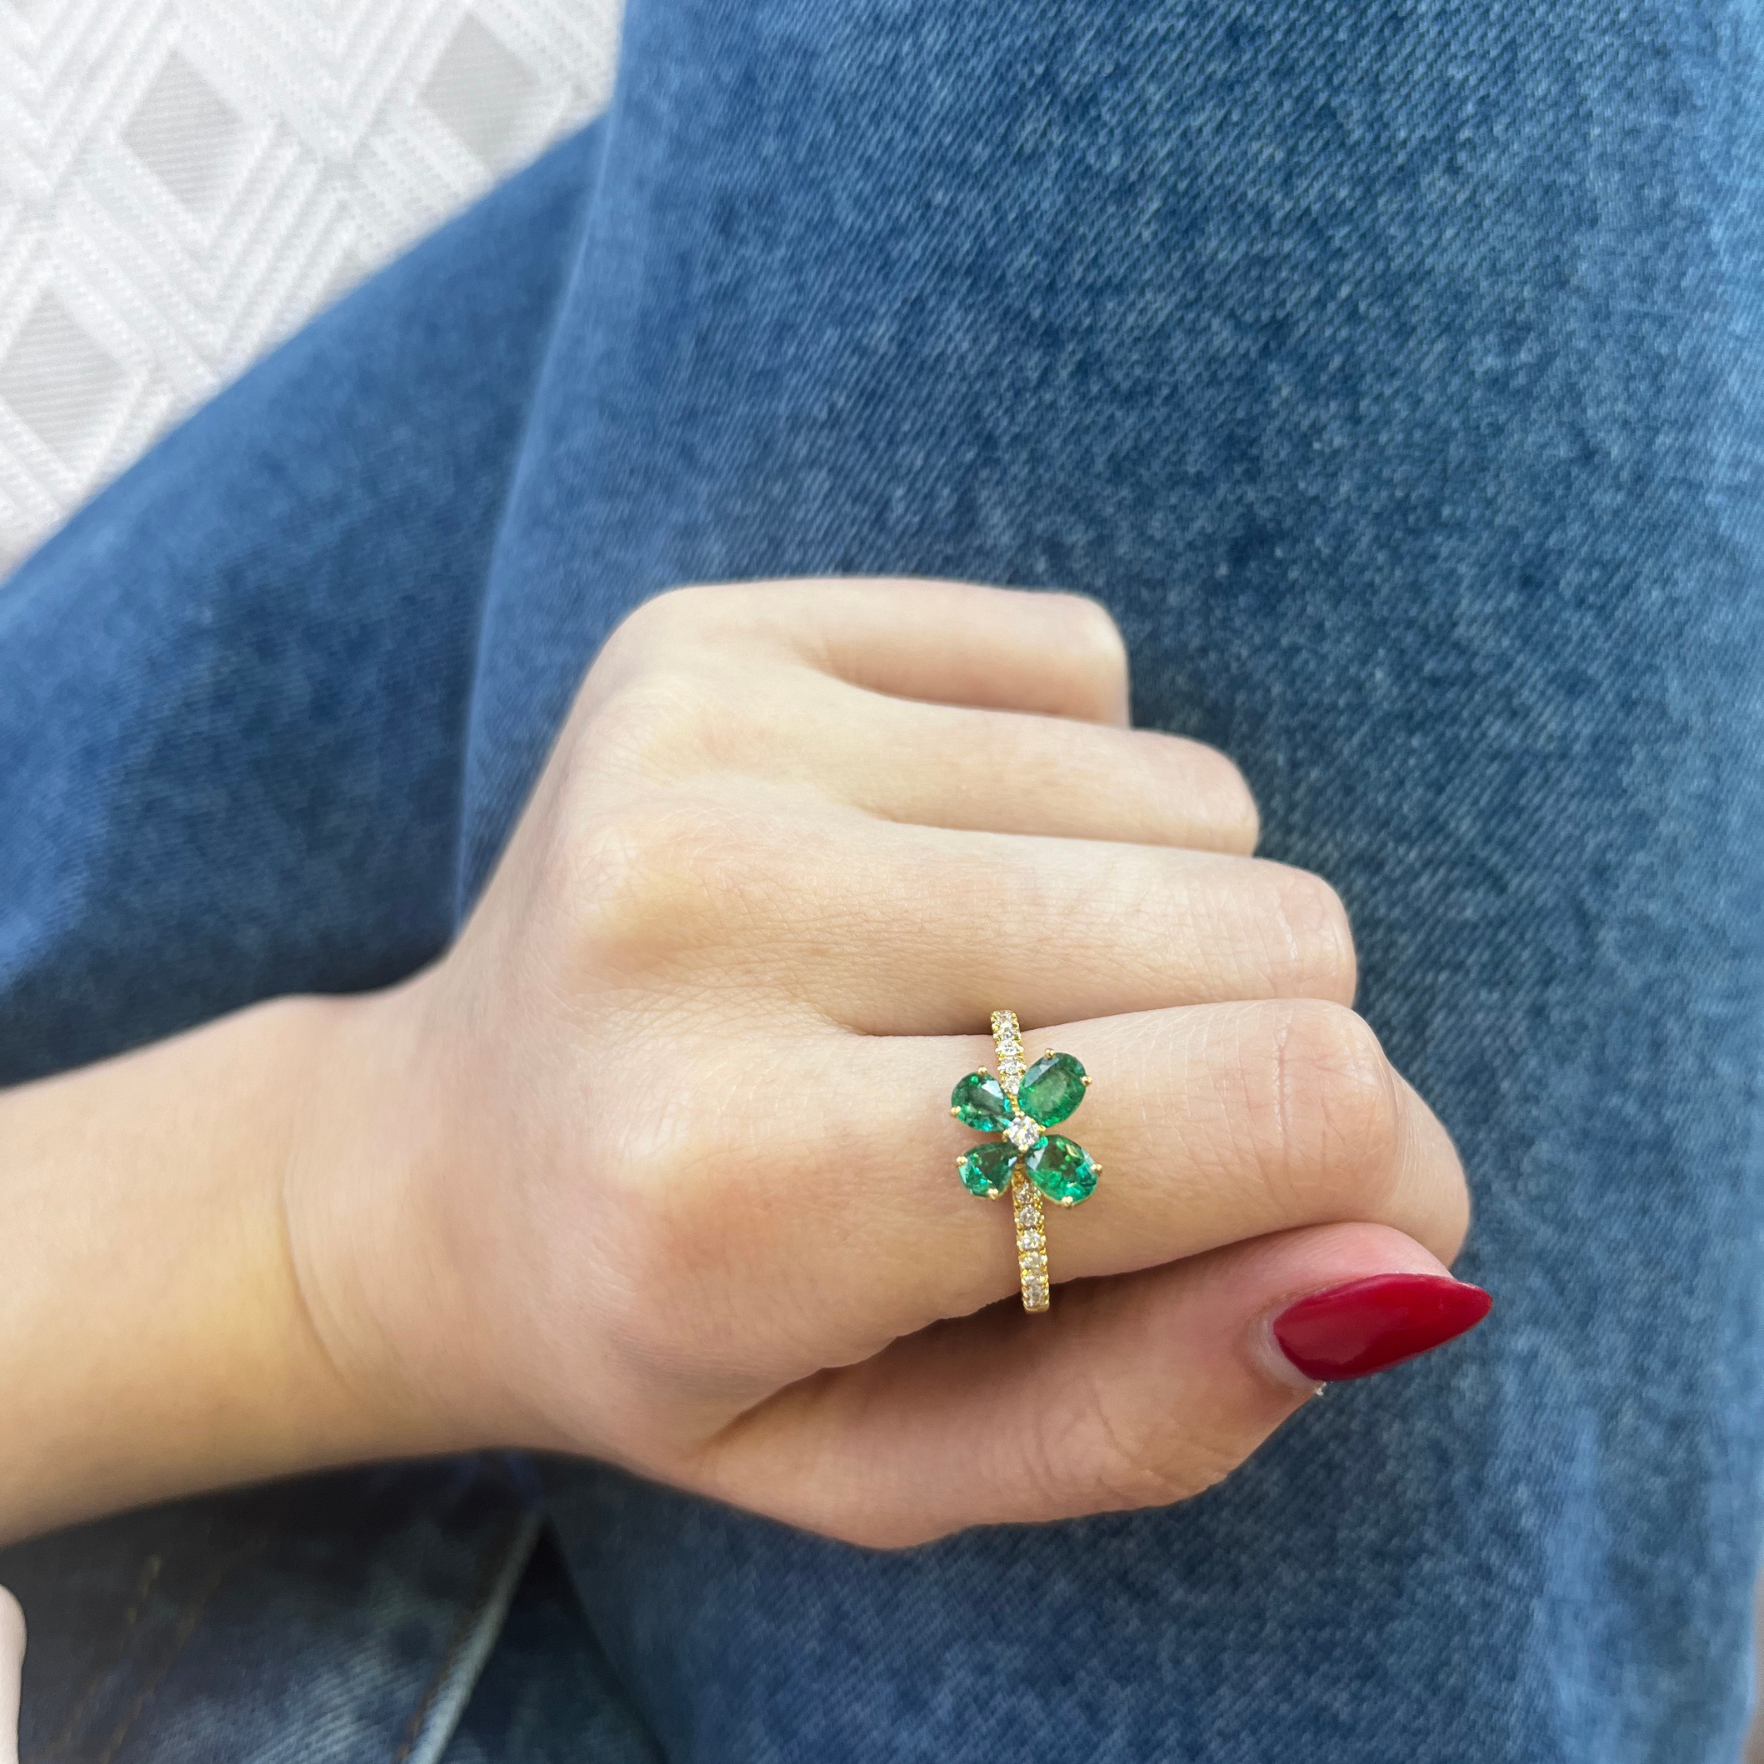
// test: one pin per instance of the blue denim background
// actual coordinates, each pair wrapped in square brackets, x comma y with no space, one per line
[1394,373]
[342,1618]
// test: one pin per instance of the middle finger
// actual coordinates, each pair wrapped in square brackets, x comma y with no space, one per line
[912,930]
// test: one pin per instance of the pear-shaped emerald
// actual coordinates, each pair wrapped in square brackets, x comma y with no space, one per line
[979,1101]
[986,1170]
[1062,1170]
[1051,1089]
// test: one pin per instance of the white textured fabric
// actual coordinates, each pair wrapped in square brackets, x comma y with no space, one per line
[182,182]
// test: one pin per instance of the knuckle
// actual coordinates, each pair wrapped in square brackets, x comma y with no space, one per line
[1451,1224]
[1226,800]
[1093,648]
[1096,634]
[1336,1112]
[678,625]
[653,723]
[637,885]
[683,887]
[663,1225]
[652,628]
[655,1217]
[1314,941]
[1129,1458]
[1435,1204]
[1202,791]
[664,616]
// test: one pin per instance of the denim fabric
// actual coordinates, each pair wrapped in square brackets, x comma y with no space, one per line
[547,1695]
[1396,374]
[232,690]
[231,701]
[342,1618]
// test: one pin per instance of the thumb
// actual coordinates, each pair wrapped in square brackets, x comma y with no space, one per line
[1136,1391]
[12,1646]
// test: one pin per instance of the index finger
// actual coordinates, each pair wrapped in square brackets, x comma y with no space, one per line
[1048,652]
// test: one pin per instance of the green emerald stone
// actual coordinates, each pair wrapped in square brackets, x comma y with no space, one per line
[1051,1089]
[980,1101]
[986,1170]
[1062,1170]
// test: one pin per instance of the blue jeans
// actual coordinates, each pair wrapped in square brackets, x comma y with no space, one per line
[1396,375]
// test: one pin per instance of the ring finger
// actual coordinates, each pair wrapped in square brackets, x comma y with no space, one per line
[1211,1125]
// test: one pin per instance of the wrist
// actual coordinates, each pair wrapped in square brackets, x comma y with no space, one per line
[383,1284]
[155,1335]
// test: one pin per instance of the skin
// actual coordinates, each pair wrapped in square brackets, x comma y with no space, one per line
[656,1163]
[12,1643]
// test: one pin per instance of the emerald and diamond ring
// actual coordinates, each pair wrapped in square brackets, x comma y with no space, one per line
[1020,1104]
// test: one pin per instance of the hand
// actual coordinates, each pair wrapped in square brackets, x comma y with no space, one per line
[657,1164]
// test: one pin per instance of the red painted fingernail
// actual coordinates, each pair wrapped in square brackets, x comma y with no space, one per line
[1366,1325]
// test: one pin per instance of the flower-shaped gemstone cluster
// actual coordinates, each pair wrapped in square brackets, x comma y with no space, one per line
[1021,1106]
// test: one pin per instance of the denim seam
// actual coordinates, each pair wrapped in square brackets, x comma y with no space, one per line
[180,1640]
[151,1570]
[486,1609]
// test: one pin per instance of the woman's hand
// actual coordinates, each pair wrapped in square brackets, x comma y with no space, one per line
[657,1164]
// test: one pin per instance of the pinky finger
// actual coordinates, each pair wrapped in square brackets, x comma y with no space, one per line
[1137,1391]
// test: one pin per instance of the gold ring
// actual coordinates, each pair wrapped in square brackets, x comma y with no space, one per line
[1020,1103]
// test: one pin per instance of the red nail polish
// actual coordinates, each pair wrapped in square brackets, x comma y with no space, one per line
[1366,1325]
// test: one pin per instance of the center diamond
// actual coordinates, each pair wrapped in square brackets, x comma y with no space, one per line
[1022,1133]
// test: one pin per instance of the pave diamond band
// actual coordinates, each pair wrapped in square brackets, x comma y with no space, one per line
[1031,1242]
[1022,1133]
[1007,1043]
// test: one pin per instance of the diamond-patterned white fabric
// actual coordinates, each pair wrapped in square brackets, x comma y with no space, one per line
[182,182]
